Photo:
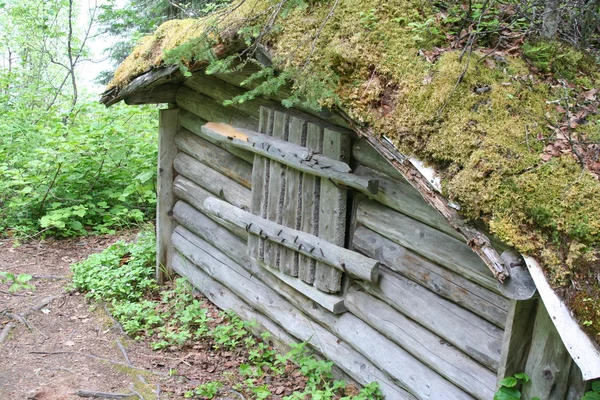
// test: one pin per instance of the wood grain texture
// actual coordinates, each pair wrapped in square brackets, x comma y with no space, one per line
[221,186]
[294,156]
[164,93]
[466,331]
[213,110]
[356,265]
[426,241]
[332,210]
[311,194]
[485,303]
[401,196]
[429,348]
[195,195]
[215,157]
[517,337]
[549,363]
[272,305]
[292,204]
[276,190]
[165,199]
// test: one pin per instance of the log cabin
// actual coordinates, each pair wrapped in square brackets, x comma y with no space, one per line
[323,231]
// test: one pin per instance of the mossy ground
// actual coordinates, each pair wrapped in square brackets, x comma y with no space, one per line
[483,122]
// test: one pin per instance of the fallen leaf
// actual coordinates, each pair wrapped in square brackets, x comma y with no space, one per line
[69,343]
[45,311]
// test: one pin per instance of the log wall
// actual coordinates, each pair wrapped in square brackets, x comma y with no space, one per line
[427,320]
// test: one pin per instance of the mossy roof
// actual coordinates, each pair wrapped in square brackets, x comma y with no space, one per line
[516,148]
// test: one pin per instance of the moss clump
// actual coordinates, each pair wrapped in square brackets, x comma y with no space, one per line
[483,123]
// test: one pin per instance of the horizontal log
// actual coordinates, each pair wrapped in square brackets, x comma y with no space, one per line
[440,280]
[215,157]
[365,154]
[213,110]
[356,265]
[448,361]
[425,241]
[164,93]
[466,331]
[225,299]
[292,155]
[272,305]
[213,181]
[235,248]
[401,196]
[221,91]
[193,194]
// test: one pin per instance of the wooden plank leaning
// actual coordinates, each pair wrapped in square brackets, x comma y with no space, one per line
[290,154]
[358,266]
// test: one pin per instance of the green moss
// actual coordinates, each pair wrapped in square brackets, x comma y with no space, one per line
[483,123]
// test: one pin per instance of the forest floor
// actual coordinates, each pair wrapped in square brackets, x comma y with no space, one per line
[64,345]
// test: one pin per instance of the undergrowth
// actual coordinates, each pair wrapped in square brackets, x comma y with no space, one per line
[172,317]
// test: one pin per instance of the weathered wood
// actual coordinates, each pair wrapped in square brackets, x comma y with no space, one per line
[466,331]
[577,387]
[164,93]
[211,180]
[292,204]
[260,168]
[477,240]
[549,363]
[332,210]
[193,123]
[365,154]
[446,360]
[233,247]
[212,110]
[289,154]
[221,91]
[276,190]
[402,197]
[145,81]
[225,299]
[426,241]
[442,281]
[272,305]
[517,337]
[215,157]
[167,128]
[193,194]
[356,265]
[311,199]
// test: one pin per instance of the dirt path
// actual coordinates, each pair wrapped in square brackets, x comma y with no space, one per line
[71,347]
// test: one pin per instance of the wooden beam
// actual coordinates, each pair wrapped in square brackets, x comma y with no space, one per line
[167,127]
[448,284]
[446,360]
[221,186]
[425,241]
[292,155]
[356,265]
[517,337]
[215,157]
[477,240]
[164,93]
[272,305]
[195,195]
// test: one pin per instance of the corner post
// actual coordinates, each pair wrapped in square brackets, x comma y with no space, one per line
[168,126]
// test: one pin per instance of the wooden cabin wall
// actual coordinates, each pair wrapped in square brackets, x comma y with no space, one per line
[432,327]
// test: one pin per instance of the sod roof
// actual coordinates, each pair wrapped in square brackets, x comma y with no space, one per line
[513,131]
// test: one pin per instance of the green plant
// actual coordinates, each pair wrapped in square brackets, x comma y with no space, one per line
[508,389]
[16,282]
[593,394]
[368,19]
[207,390]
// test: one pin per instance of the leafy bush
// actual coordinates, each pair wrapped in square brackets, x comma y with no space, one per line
[122,272]
[68,174]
